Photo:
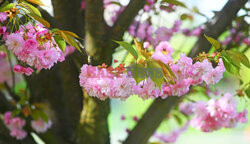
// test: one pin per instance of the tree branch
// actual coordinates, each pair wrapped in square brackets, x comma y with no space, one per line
[141,134]
[150,121]
[218,25]
[126,18]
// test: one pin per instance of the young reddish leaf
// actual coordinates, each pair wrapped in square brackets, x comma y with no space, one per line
[128,47]
[39,19]
[213,42]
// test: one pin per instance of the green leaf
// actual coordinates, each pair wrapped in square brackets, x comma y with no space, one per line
[39,19]
[6,7]
[54,30]
[60,42]
[128,47]
[69,39]
[247,91]
[213,42]
[70,33]
[236,58]
[30,8]
[230,67]
[16,112]
[139,72]
[155,73]
[36,114]
[174,2]
[37,2]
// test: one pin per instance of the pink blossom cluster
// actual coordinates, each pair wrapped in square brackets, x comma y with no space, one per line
[3,17]
[172,136]
[236,37]
[187,73]
[35,46]
[194,32]
[22,70]
[15,125]
[217,113]
[149,5]
[40,126]
[101,83]
[144,31]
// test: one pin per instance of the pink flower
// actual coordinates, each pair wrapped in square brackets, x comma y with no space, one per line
[18,133]
[22,70]
[187,108]
[83,5]
[7,117]
[242,117]
[163,34]
[40,126]
[3,16]
[2,30]
[146,45]
[31,44]
[15,42]
[215,75]
[165,48]
[2,55]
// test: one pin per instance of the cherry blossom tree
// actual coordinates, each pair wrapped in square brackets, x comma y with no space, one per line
[65,62]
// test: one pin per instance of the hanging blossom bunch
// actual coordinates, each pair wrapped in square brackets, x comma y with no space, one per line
[35,46]
[217,113]
[102,83]
[214,114]
[16,125]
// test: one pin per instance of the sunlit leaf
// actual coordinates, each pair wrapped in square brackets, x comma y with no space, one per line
[155,73]
[37,114]
[247,91]
[37,2]
[139,72]
[140,49]
[174,2]
[60,42]
[6,7]
[128,47]
[213,42]
[30,8]
[39,19]
[236,58]
[69,39]
[230,67]
[70,33]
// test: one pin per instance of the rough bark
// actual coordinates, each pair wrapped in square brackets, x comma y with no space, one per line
[218,25]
